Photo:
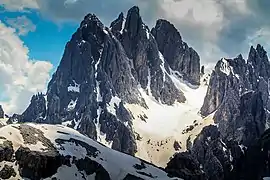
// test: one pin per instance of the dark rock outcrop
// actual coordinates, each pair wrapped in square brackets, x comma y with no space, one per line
[2,114]
[36,112]
[225,160]
[7,172]
[183,165]
[246,122]
[91,167]
[6,150]
[37,165]
[177,53]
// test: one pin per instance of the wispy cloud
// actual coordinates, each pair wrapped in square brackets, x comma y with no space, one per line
[19,5]
[22,24]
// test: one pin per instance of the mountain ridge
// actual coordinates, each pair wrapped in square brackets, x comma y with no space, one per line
[103,69]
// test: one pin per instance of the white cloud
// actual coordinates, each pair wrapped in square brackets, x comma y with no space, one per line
[19,5]
[22,24]
[20,77]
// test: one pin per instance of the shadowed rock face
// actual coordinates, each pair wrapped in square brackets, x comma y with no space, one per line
[103,69]
[177,53]
[2,114]
[7,172]
[36,112]
[185,166]
[221,159]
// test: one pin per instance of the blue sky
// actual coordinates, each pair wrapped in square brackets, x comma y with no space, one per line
[48,41]
[33,34]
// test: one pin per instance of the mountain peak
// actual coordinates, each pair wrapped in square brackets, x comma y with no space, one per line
[92,18]
[134,21]
[258,59]
[118,25]
[134,9]
[240,56]
[260,47]
[163,23]
[176,52]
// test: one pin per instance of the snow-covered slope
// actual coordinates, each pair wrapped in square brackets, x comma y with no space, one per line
[160,127]
[3,121]
[37,151]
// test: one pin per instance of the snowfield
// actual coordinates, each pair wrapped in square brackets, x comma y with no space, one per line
[69,142]
[160,126]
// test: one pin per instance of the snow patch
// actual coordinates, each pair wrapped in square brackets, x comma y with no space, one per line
[37,147]
[113,104]
[146,31]
[123,26]
[99,97]
[149,83]
[74,88]
[12,133]
[242,147]
[46,101]
[105,31]
[67,123]
[81,42]
[72,104]
[162,66]
[65,172]
[77,124]
[225,67]
[147,34]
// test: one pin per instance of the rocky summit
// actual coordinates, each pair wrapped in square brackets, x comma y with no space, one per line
[104,69]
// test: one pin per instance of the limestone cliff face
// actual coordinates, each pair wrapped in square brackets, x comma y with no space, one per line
[177,53]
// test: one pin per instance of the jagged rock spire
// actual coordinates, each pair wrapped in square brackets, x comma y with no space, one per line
[177,53]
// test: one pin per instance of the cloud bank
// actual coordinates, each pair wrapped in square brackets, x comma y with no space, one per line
[20,77]
[215,28]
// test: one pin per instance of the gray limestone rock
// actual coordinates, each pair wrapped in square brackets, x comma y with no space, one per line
[177,53]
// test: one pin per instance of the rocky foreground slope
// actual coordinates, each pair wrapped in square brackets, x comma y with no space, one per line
[32,151]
